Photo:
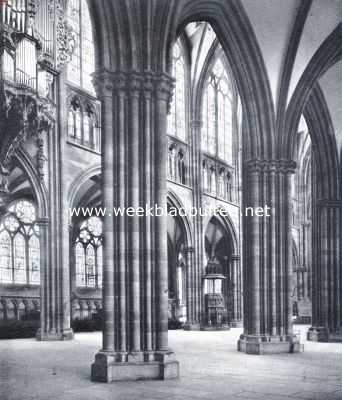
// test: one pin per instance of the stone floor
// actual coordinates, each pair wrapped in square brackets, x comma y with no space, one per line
[211,368]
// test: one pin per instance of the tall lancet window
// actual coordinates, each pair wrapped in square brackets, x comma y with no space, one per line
[19,245]
[177,116]
[82,63]
[88,254]
[217,114]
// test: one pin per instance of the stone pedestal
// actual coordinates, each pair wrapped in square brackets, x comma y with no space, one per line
[236,324]
[318,334]
[215,328]
[192,327]
[111,367]
[67,334]
[269,345]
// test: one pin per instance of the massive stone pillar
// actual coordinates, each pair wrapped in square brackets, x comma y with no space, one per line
[267,259]
[197,267]
[326,272]
[135,297]
[55,257]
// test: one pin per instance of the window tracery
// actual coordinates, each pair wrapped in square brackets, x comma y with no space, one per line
[83,123]
[82,63]
[217,114]
[88,254]
[217,179]
[177,116]
[19,245]
[177,162]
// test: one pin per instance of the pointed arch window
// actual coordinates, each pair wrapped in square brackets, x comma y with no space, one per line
[177,117]
[83,124]
[217,114]
[82,63]
[88,254]
[19,245]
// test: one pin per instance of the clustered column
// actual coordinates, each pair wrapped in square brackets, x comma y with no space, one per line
[190,293]
[268,259]
[196,297]
[326,272]
[55,257]
[236,279]
[135,298]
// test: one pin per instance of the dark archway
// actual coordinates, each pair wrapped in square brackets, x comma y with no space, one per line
[221,247]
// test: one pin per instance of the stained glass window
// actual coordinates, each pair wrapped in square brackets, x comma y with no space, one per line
[82,63]
[80,265]
[19,245]
[88,254]
[177,116]
[34,260]
[19,259]
[5,257]
[90,265]
[217,114]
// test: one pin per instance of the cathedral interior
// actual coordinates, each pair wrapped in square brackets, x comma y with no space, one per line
[213,111]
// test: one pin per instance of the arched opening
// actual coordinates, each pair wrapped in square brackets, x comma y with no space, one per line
[178,265]
[301,193]
[20,255]
[86,253]
[221,259]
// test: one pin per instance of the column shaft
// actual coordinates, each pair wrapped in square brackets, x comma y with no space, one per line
[134,177]
[268,259]
[326,271]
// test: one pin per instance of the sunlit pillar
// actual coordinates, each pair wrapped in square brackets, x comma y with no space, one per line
[268,259]
[135,298]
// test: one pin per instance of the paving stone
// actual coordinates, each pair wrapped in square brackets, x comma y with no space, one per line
[211,369]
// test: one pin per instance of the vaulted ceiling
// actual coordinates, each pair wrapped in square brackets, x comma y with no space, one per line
[289,33]
[279,25]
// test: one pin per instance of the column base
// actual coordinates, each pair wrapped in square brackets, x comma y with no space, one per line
[67,334]
[194,326]
[115,367]
[269,344]
[318,334]
[215,328]
[236,324]
[323,335]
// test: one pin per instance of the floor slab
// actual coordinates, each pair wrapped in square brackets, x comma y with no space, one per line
[210,368]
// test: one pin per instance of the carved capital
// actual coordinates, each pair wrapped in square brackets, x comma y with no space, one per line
[163,86]
[273,166]
[105,82]
[134,83]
